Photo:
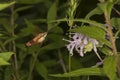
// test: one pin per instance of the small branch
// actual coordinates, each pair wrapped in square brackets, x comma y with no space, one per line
[116,11]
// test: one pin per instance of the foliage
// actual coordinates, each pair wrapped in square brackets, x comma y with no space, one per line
[4,57]
[22,20]
[5,5]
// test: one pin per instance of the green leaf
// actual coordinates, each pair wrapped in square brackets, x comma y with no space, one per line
[29,1]
[33,49]
[82,72]
[52,12]
[22,8]
[115,22]
[110,66]
[5,5]
[54,45]
[4,22]
[92,32]
[102,6]
[55,37]
[1,34]
[91,22]
[38,20]
[106,6]
[118,2]
[6,55]
[106,50]
[50,63]
[41,69]
[28,30]
[57,30]
[109,7]
[8,72]
[10,39]
[21,46]
[95,11]
[3,62]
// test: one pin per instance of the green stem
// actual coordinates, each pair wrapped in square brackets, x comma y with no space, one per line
[15,66]
[70,58]
[71,14]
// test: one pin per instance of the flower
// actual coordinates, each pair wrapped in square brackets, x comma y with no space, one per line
[81,43]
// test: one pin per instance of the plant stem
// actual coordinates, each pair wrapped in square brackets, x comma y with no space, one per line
[110,33]
[70,59]
[61,61]
[13,44]
[114,49]
[112,41]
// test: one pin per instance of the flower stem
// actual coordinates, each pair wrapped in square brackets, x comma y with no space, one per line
[71,14]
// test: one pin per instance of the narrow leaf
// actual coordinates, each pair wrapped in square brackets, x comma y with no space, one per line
[94,23]
[6,55]
[28,30]
[82,72]
[22,8]
[29,1]
[95,11]
[42,71]
[55,45]
[52,14]
[109,8]
[106,50]
[9,40]
[115,22]
[102,6]
[3,62]
[5,5]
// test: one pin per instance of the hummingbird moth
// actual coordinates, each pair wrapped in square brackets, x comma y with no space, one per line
[37,39]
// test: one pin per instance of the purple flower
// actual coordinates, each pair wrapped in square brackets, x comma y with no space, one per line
[79,41]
